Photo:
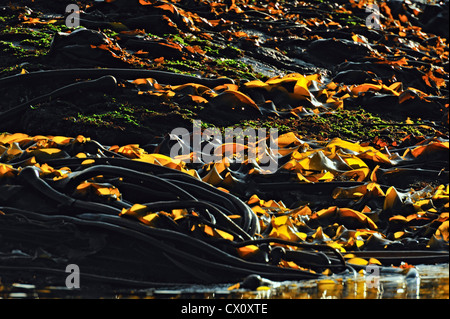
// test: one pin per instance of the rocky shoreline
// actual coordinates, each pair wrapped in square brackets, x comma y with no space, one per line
[86,116]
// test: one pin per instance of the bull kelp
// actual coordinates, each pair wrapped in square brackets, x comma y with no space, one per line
[113,156]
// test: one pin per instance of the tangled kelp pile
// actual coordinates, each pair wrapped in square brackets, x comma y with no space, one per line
[121,196]
[130,214]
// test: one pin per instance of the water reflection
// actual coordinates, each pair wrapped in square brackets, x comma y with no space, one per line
[431,282]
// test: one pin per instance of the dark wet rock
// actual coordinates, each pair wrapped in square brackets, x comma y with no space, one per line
[382,71]
[435,19]
[329,52]
[78,37]
[400,107]
[85,47]
[229,107]
[160,18]
[355,77]
[252,282]
[276,254]
[378,103]
[390,73]
[94,20]
[416,106]
[154,24]
[429,12]
[272,57]
[438,25]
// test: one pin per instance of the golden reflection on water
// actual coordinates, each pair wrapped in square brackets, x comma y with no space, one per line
[358,289]
[433,283]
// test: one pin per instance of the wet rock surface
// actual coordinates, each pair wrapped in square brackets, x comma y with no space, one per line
[329,39]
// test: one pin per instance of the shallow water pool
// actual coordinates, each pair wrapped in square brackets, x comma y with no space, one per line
[432,283]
